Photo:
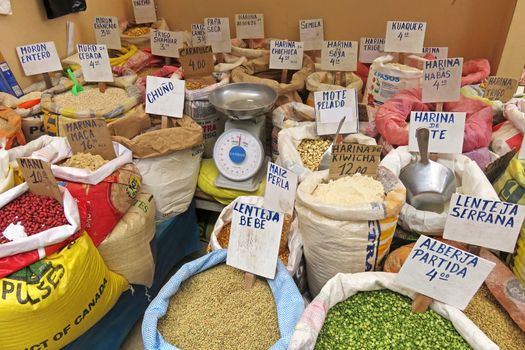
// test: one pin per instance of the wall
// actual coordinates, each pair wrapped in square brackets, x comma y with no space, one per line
[470,28]
[513,55]
[29,24]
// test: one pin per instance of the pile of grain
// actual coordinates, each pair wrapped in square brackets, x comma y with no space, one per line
[91,99]
[86,161]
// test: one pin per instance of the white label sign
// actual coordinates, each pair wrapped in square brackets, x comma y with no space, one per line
[405,36]
[254,239]
[311,32]
[370,49]
[218,34]
[339,56]
[332,106]
[164,96]
[484,222]
[446,131]
[438,51]
[442,80]
[249,25]
[166,43]
[198,34]
[279,193]
[443,272]
[107,32]
[39,58]
[144,11]
[286,54]
[94,61]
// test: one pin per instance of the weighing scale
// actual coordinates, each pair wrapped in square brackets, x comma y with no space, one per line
[239,152]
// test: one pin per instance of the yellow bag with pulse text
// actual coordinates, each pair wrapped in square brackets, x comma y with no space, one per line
[52,302]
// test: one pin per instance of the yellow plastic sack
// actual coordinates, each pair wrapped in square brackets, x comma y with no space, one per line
[207,175]
[54,123]
[52,302]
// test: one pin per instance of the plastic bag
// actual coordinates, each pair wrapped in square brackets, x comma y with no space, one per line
[346,238]
[470,180]
[58,8]
[11,127]
[287,298]
[51,303]
[344,286]
[475,71]
[127,249]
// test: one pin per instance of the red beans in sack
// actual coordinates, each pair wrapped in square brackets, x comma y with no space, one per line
[34,213]
[101,206]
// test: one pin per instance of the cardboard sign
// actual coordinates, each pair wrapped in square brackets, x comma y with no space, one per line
[90,136]
[442,80]
[339,56]
[331,106]
[311,33]
[196,61]
[39,177]
[351,158]
[107,32]
[443,272]
[405,36]
[164,96]
[279,193]
[484,222]
[286,54]
[218,34]
[166,43]
[438,51]
[144,11]
[94,61]
[254,239]
[500,88]
[39,58]
[446,131]
[370,49]
[249,25]
[198,34]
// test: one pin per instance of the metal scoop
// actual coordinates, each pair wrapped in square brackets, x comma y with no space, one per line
[327,155]
[429,184]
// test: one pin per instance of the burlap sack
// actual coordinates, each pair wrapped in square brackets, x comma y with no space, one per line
[141,41]
[322,81]
[253,70]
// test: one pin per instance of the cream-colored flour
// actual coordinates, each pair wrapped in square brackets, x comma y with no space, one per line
[350,190]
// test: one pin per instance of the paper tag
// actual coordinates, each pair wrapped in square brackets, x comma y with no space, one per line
[196,61]
[39,177]
[94,61]
[439,51]
[351,158]
[339,56]
[279,193]
[107,32]
[405,36]
[442,80]
[164,96]
[166,43]
[484,222]
[249,25]
[446,131]
[254,239]
[286,54]
[443,272]
[218,34]
[39,58]
[331,106]
[144,11]
[500,88]
[370,49]
[198,34]
[90,136]
[311,32]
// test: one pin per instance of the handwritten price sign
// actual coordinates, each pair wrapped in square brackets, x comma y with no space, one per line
[339,56]
[405,36]
[442,80]
[286,54]
[90,136]
[106,31]
[196,61]
[39,177]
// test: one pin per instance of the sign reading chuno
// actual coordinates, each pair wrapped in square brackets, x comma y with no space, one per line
[164,96]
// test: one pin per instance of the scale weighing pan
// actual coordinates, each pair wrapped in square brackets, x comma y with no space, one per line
[243,101]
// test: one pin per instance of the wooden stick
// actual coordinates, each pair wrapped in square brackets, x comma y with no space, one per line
[167,61]
[421,303]
[337,80]
[250,43]
[284,76]
[220,57]
[164,122]
[249,280]
[102,87]
[439,107]
[47,80]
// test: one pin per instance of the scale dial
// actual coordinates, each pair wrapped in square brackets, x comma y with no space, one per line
[238,154]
